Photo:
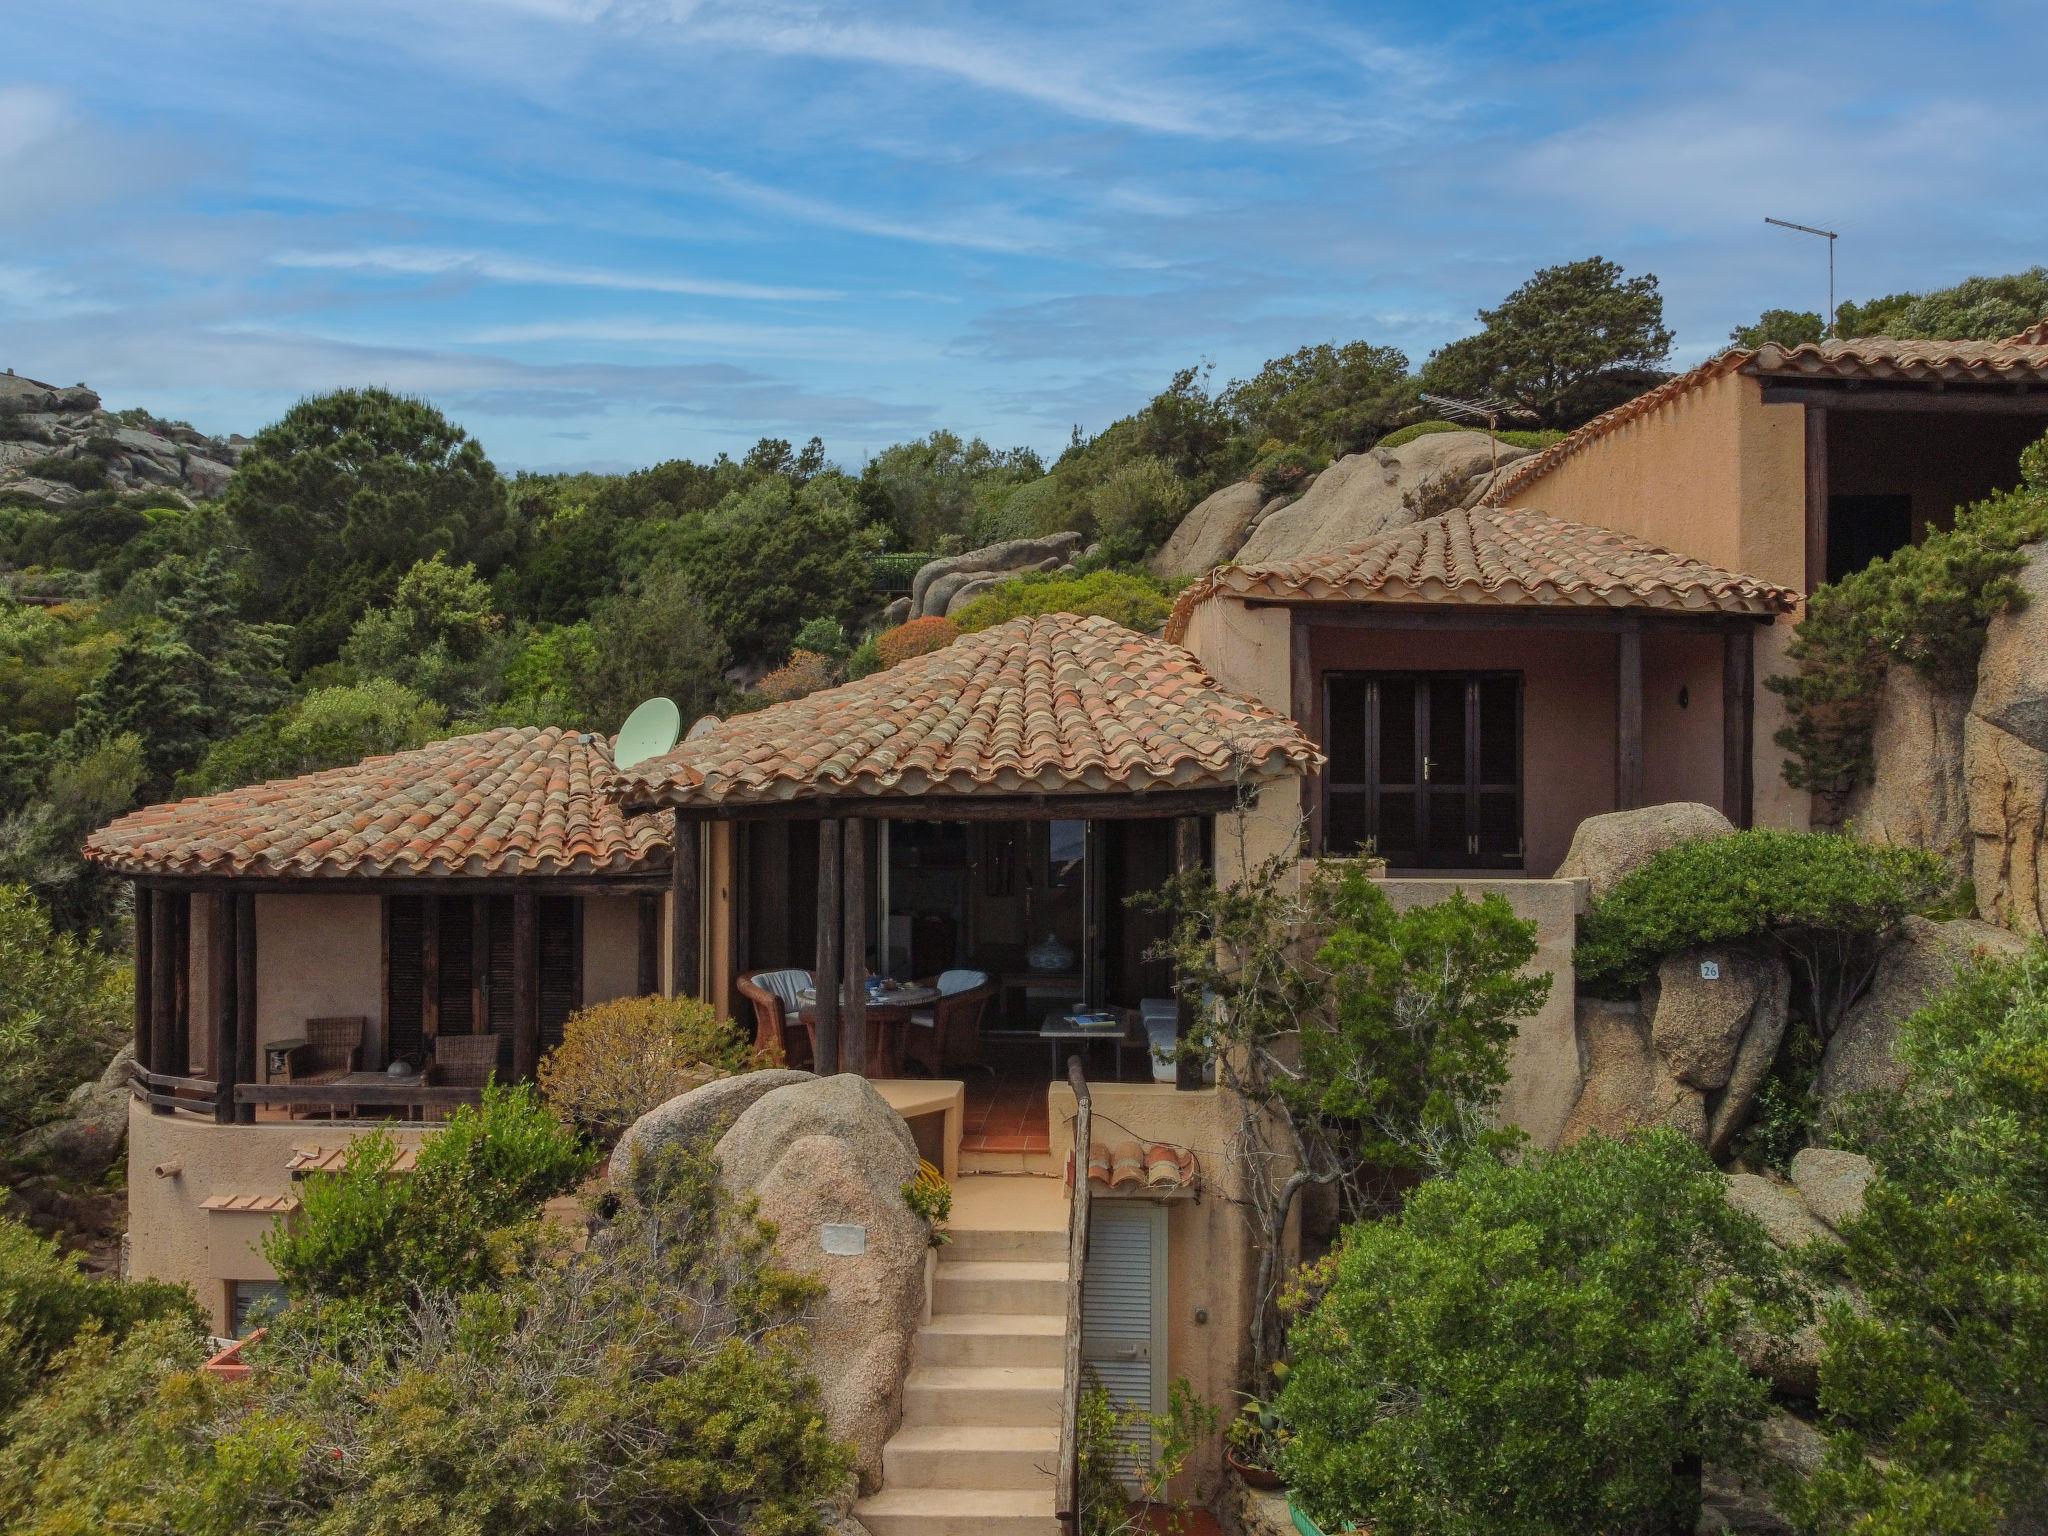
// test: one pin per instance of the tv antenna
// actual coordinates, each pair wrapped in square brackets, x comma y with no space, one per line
[1827,331]
[1488,408]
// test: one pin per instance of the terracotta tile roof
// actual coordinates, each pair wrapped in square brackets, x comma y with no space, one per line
[506,802]
[2020,359]
[1495,555]
[1134,1168]
[1048,704]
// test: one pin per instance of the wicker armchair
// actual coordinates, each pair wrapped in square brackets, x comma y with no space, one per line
[948,1035]
[463,1061]
[774,996]
[333,1048]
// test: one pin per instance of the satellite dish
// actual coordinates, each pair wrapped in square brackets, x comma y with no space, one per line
[649,731]
[703,727]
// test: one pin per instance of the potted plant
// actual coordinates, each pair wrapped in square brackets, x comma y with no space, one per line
[1251,1445]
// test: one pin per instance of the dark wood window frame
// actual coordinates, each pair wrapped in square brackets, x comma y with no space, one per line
[1475,788]
[465,947]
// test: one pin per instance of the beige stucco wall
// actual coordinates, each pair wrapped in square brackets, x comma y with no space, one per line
[611,948]
[1246,651]
[170,1236]
[319,957]
[1681,719]
[1544,1076]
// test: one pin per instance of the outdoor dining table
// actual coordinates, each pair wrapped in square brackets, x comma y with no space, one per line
[888,1015]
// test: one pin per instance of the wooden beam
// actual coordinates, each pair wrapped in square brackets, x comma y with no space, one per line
[162,984]
[1342,614]
[246,1016]
[525,987]
[1139,805]
[1187,857]
[686,910]
[1628,720]
[1955,400]
[422,885]
[145,978]
[648,979]
[1816,496]
[430,975]
[853,948]
[221,1054]
[1305,699]
[739,933]
[825,979]
[1738,728]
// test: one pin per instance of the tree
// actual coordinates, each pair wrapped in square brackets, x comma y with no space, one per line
[329,728]
[346,492]
[1935,1382]
[1136,508]
[765,561]
[654,640]
[1782,327]
[1539,1349]
[65,1008]
[1551,343]
[39,846]
[1978,308]
[1330,399]
[440,636]
[925,490]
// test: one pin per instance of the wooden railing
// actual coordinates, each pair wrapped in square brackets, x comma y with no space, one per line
[1067,1502]
[161,1090]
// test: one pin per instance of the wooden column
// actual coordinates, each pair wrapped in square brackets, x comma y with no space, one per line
[1816,496]
[246,1044]
[739,935]
[525,986]
[430,974]
[649,979]
[686,910]
[222,1052]
[827,975]
[145,978]
[1738,725]
[1187,856]
[853,949]
[1628,719]
[1305,703]
[163,988]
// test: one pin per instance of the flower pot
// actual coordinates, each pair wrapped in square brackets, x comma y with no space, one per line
[1254,1476]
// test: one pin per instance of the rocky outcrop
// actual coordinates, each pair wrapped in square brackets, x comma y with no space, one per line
[826,1160]
[1915,796]
[58,445]
[2005,760]
[938,586]
[1691,1054]
[1212,532]
[1920,961]
[1824,1194]
[1731,1501]
[86,1139]
[1606,849]
[699,1115]
[1368,493]
[1832,1183]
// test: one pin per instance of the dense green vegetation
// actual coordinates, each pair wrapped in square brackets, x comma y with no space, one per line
[1976,309]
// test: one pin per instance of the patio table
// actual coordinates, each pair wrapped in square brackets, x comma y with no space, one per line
[888,1015]
[1065,1026]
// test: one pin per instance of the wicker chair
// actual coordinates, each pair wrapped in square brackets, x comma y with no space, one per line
[947,1036]
[774,996]
[463,1061]
[333,1048]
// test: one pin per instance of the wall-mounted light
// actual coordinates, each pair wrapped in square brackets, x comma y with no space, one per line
[1684,696]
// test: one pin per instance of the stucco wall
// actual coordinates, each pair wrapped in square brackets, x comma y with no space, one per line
[1246,651]
[611,948]
[318,957]
[170,1236]
[1681,719]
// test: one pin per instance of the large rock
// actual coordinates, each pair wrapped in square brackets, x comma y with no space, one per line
[1702,1006]
[2005,760]
[1614,1055]
[1369,493]
[1012,555]
[1832,1183]
[702,1114]
[86,1139]
[1921,960]
[1786,1219]
[1606,849]
[830,1152]
[1212,532]
[1916,795]
[1731,1501]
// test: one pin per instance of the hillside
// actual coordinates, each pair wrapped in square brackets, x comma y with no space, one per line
[59,445]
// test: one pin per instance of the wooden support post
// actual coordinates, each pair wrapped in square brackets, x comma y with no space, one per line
[826,978]
[1738,725]
[163,985]
[1187,857]
[649,978]
[1628,720]
[853,949]
[145,979]
[525,987]
[1816,496]
[430,973]
[686,910]
[246,1044]
[221,1054]
[739,932]
[1305,701]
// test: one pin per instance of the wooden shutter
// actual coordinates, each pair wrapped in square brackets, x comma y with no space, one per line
[500,1004]
[403,925]
[457,1008]
[561,965]
[1123,1315]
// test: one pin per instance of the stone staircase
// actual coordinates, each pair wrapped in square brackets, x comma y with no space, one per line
[981,1407]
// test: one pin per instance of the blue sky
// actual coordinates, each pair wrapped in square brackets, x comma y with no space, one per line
[612,233]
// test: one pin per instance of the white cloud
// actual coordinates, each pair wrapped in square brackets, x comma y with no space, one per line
[427,261]
[982,229]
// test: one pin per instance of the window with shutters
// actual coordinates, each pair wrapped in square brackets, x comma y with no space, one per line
[1123,1317]
[466,982]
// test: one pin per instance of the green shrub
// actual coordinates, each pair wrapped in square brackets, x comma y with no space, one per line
[1135,508]
[1830,901]
[64,1010]
[619,1059]
[1156,1444]
[1927,605]
[1936,1381]
[1134,601]
[1287,469]
[86,472]
[366,1244]
[1533,1350]
[865,661]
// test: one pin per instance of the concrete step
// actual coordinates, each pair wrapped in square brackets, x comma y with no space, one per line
[971,1456]
[1000,1285]
[982,1394]
[975,1244]
[992,1338]
[959,1512]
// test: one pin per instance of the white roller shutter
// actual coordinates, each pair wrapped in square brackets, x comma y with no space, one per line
[1123,1312]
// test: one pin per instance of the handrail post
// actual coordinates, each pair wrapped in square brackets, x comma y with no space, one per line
[1067,1497]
